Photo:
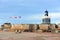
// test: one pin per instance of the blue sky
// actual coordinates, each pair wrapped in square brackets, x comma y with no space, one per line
[31,11]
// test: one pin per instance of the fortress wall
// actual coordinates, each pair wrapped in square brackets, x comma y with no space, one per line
[43,26]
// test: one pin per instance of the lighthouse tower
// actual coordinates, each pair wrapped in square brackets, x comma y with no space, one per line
[46,18]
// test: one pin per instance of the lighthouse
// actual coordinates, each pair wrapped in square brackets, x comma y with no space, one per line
[46,18]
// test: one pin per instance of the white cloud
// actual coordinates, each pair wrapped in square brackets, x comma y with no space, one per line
[54,15]
[39,16]
[57,22]
[34,17]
